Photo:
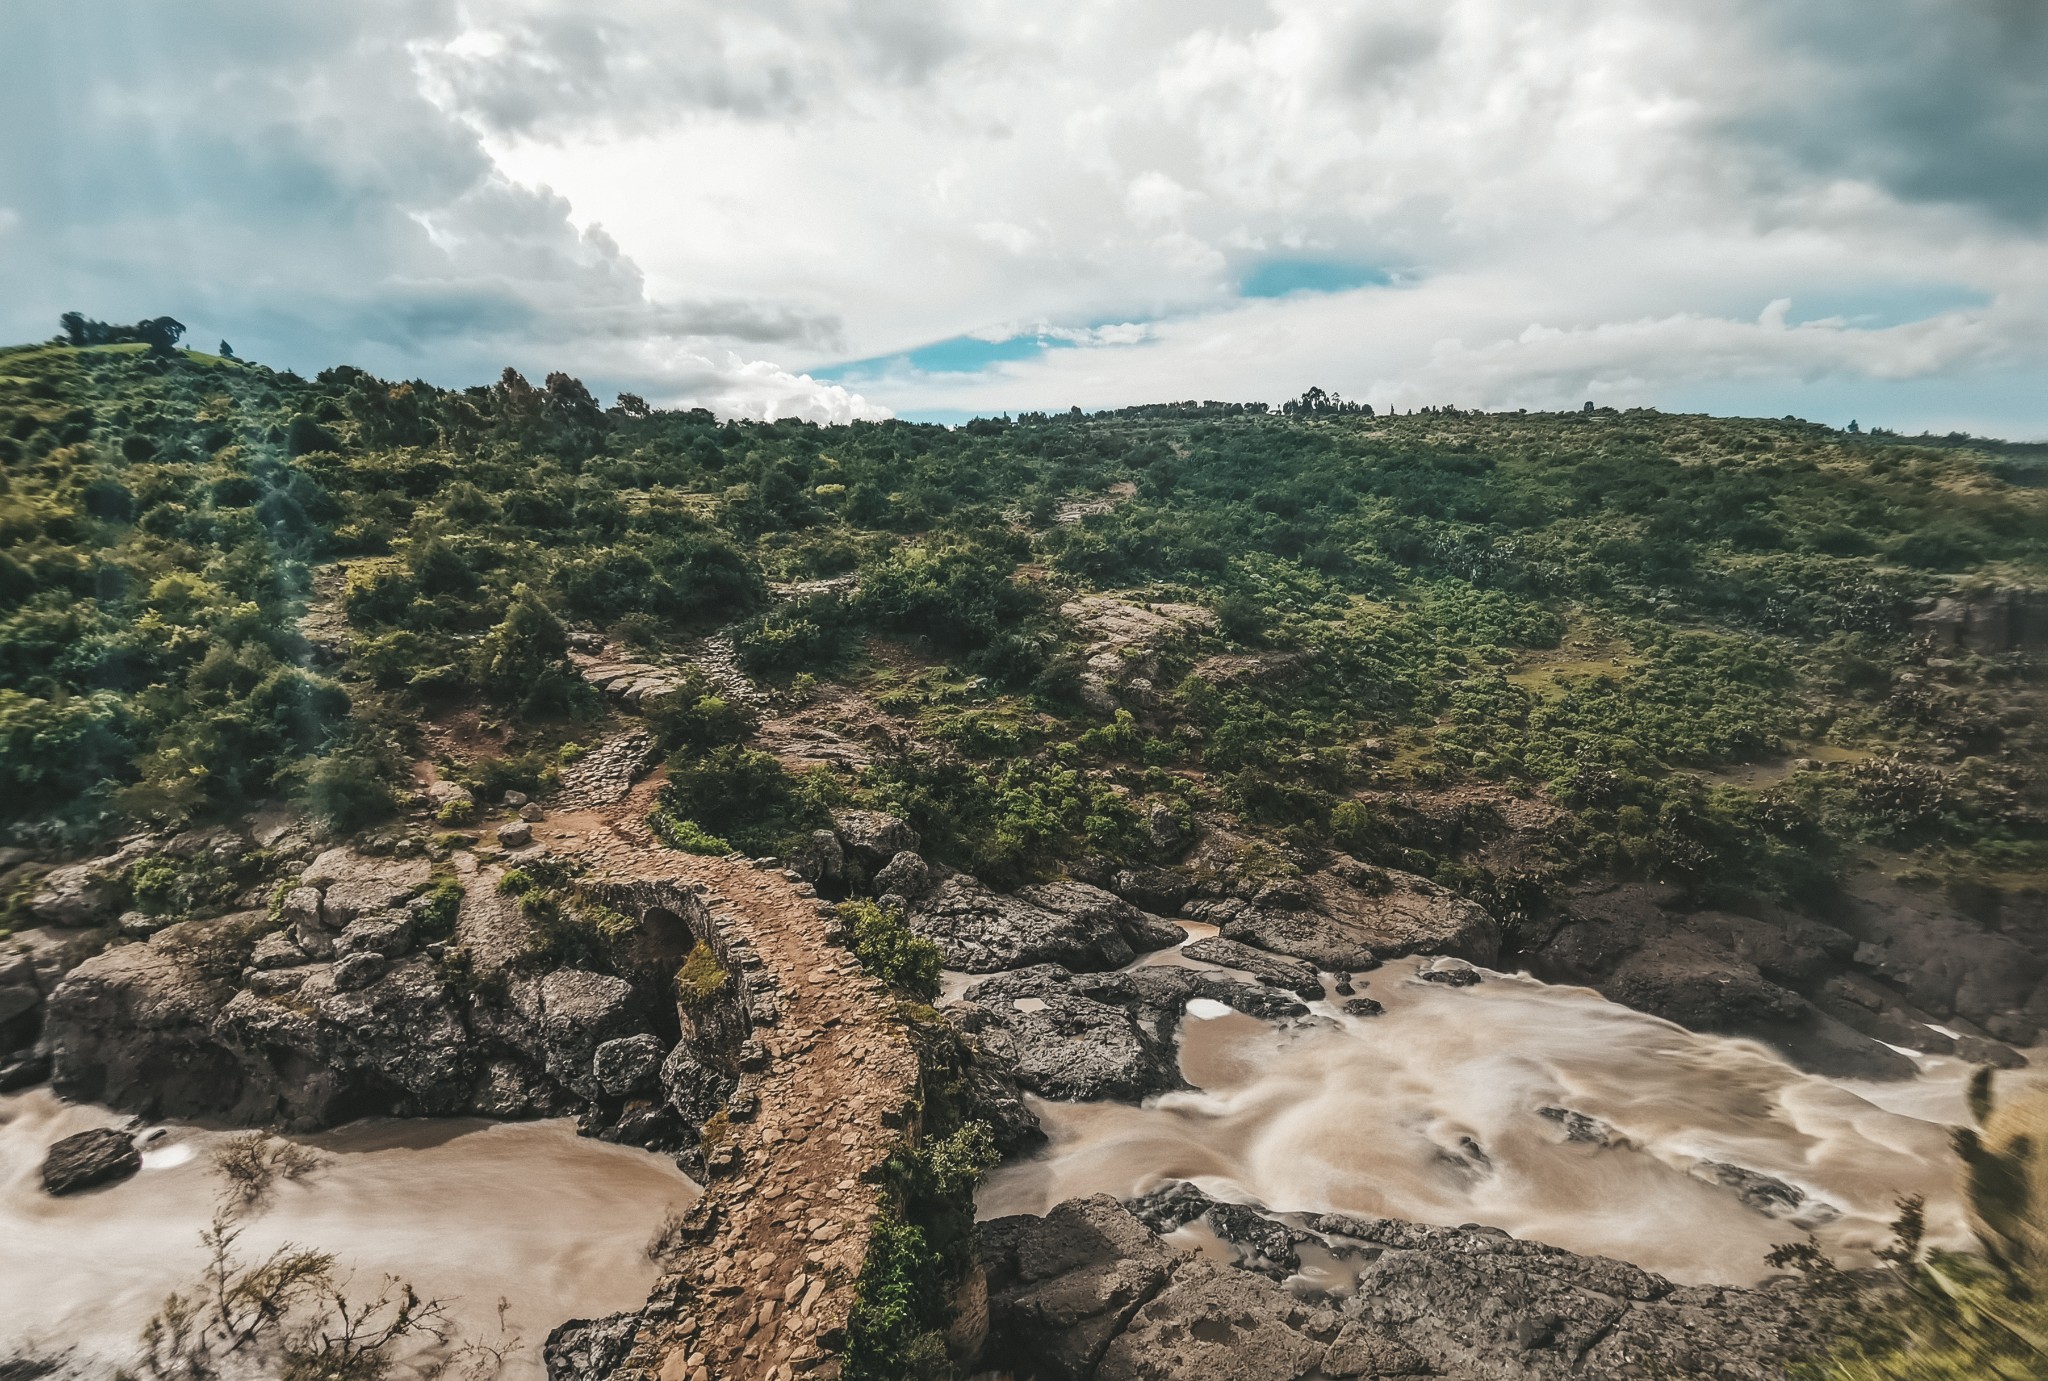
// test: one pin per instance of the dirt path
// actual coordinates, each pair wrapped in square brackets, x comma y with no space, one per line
[765,1295]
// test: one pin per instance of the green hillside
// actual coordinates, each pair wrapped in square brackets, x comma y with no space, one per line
[1645,619]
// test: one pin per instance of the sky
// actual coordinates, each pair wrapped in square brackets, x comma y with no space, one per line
[839,209]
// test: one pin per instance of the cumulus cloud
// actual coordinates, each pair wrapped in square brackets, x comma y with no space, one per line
[1470,201]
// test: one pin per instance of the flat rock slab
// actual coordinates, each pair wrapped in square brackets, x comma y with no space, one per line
[100,1156]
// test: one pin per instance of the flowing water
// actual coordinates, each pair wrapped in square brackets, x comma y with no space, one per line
[469,1211]
[1434,1112]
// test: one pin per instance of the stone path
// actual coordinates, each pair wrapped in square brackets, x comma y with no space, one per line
[764,1294]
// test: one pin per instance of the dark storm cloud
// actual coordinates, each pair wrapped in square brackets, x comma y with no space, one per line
[1935,100]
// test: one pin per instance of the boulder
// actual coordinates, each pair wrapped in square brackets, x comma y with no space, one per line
[87,1159]
[627,1064]
[906,875]
[590,1349]
[1067,923]
[516,834]
[358,970]
[401,1031]
[388,933]
[20,992]
[696,1088]
[874,836]
[132,1028]
[277,950]
[1062,1287]
[1097,1035]
[1349,917]
[1094,909]
[562,1018]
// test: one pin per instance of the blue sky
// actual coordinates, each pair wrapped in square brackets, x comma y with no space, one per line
[852,208]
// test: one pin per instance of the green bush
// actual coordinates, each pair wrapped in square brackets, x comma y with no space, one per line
[685,835]
[888,949]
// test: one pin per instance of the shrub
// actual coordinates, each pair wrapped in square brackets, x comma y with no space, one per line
[685,835]
[887,948]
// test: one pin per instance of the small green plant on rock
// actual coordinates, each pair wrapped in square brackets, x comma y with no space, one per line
[701,978]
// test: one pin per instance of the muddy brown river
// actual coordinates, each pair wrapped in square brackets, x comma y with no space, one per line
[472,1212]
[1547,1111]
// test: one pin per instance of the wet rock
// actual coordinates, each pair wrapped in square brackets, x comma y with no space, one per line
[27,1068]
[1450,973]
[1264,1244]
[590,1349]
[1066,923]
[1578,1126]
[872,835]
[906,875]
[1762,1193]
[627,1064]
[97,1157]
[1363,1007]
[1295,975]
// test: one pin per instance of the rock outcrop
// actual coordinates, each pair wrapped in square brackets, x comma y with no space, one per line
[1066,923]
[1805,986]
[1349,917]
[345,1005]
[1097,1035]
[1090,1293]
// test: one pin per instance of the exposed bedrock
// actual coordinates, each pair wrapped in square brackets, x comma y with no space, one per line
[1090,1293]
[1097,1035]
[1067,923]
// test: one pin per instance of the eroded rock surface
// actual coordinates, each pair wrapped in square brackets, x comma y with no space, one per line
[1090,1293]
[1098,1035]
[88,1159]
[1066,923]
[1350,917]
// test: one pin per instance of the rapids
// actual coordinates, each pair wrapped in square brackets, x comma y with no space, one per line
[469,1211]
[1434,1112]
